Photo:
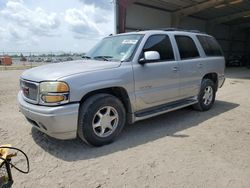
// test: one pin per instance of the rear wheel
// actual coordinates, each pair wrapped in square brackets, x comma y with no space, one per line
[101,119]
[206,96]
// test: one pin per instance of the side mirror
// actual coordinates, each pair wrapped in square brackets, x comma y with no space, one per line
[150,56]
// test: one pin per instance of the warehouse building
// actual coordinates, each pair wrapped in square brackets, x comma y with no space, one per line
[227,20]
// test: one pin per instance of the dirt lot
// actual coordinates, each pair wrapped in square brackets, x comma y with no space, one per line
[184,148]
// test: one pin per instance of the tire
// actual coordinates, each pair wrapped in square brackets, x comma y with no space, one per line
[101,119]
[205,101]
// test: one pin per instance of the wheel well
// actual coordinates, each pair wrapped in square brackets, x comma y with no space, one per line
[118,92]
[213,77]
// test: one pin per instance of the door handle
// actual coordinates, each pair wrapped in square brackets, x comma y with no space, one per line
[175,69]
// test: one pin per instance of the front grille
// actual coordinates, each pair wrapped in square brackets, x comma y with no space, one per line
[30,90]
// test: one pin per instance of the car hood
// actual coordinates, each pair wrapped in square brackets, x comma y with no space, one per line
[60,70]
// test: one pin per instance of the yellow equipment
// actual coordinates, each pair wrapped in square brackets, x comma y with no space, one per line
[6,179]
[4,153]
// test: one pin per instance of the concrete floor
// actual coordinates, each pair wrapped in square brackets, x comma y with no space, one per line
[184,148]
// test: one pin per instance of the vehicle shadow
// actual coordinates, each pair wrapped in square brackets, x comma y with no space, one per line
[238,73]
[133,135]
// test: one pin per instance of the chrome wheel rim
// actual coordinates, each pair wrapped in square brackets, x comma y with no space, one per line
[208,95]
[105,121]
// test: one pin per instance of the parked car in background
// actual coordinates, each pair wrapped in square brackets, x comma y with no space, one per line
[68,59]
[39,59]
[48,60]
[125,78]
[31,59]
[235,61]
[23,58]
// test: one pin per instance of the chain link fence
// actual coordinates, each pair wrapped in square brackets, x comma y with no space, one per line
[23,60]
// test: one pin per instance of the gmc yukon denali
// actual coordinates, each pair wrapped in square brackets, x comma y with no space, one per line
[125,78]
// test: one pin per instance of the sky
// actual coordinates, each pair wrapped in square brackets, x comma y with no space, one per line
[54,25]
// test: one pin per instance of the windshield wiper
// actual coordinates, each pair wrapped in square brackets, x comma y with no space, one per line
[86,57]
[105,58]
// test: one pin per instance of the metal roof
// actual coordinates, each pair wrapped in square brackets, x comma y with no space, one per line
[169,5]
[237,12]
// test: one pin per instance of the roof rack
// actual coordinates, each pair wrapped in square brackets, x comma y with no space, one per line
[178,29]
[170,29]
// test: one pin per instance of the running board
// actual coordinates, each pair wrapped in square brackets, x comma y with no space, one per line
[154,111]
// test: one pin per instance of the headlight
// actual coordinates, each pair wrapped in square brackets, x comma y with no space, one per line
[55,87]
[54,93]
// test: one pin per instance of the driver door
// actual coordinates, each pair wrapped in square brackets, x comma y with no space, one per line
[157,82]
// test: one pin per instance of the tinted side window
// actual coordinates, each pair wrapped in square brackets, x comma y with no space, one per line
[187,47]
[161,44]
[210,46]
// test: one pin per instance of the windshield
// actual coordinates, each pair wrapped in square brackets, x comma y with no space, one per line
[116,48]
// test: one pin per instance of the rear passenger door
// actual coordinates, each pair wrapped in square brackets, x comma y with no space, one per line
[190,65]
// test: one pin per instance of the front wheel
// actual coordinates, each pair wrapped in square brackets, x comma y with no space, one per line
[101,119]
[206,96]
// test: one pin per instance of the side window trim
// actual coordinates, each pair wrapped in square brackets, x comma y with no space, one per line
[199,47]
[172,47]
[195,43]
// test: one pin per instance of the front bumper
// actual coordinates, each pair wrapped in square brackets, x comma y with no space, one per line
[59,122]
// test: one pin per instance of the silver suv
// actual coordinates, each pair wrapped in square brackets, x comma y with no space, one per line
[123,79]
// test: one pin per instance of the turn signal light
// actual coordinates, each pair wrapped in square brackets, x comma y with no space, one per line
[52,98]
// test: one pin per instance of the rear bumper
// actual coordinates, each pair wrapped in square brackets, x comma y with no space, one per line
[221,81]
[59,122]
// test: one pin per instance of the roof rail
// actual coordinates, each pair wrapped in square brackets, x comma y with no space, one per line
[178,29]
[171,29]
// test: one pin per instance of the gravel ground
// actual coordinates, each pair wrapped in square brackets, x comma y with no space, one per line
[184,148]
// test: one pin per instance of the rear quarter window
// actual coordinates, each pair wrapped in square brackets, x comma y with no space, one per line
[210,46]
[187,47]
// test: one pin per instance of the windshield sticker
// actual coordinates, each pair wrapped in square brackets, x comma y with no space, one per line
[129,41]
